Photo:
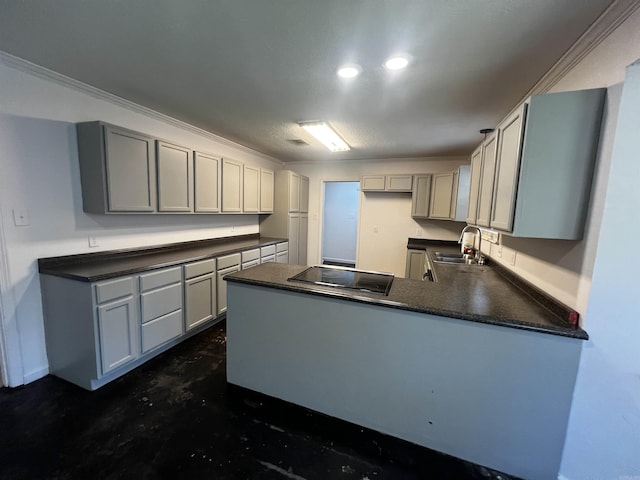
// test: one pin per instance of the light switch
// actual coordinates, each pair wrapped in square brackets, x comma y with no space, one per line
[93,241]
[21,217]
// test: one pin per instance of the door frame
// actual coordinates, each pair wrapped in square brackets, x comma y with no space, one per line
[324,182]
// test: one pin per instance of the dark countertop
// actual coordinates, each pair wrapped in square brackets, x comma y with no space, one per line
[91,267]
[486,294]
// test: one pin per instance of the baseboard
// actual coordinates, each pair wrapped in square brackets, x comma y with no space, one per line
[36,375]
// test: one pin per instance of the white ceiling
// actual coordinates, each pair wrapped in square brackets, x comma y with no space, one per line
[248,70]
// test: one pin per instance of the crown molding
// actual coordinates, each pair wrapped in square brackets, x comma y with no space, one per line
[599,30]
[49,75]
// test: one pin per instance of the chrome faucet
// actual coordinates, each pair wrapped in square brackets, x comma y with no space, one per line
[478,256]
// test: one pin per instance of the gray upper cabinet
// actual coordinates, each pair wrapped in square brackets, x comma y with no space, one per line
[304,194]
[485,195]
[460,193]
[421,196]
[474,185]
[441,195]
[206,171]
[175,178]
[117,169]
[294,191]
[232,186]
[251,189]
[266,190]
[545,165]
[387,183]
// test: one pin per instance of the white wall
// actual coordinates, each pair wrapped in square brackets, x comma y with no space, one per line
[385,218]
[40,174]
[603,440]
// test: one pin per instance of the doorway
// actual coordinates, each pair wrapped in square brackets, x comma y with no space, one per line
[340,223]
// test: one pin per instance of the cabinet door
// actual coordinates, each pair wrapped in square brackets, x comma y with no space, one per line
[266,191]
[441,195]
[251,202]
[200,300]
[373,183]
[231,186]
[222,287]
[304,194]
[474,188]
[485,197]
[206,171]
[302,239]
[175,178]
[118,326]
[294,237]
[131,171]
[420,196]
[415,264]
[507,168]
[294,192]
[399,183]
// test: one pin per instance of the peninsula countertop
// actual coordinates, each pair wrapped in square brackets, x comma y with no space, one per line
[91,267]
[470,292]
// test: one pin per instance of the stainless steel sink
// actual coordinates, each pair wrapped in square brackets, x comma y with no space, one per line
[459,258]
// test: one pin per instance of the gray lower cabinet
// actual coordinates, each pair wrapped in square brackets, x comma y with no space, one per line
[161,310]
[282,252]
[227,264]
[117,169]
[200,293]
[268,254]
[117,333]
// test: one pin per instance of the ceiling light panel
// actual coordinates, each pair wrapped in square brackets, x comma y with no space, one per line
[323,132]
[349,71]
[397,62]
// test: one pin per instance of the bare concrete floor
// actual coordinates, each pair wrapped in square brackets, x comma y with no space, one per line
[176,417]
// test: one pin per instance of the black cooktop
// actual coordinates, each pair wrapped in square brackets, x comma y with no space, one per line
[342,277]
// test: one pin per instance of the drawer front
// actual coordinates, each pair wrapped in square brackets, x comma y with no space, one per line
[250,264]
[282,247]
[268,258]
[197,269]
[160,302]
[268,250]
[112,289]
[161,330]
[160,278]
[228,261]
[249,255]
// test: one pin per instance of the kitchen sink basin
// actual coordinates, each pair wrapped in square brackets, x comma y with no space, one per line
[459,258]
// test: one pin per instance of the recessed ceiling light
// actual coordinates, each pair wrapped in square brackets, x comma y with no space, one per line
[323,132]
[397,62]
[349,71]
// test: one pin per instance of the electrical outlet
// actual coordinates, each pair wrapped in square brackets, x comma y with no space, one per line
[499,251]
[511,257]
[93,241]
[418,232]
[375,229]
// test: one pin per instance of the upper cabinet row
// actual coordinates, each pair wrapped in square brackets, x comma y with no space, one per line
[128,172]
[441,196]
[532,176]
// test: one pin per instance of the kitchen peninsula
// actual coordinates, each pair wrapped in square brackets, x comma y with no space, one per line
[470,365]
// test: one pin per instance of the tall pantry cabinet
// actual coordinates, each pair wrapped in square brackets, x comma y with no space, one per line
[290,217]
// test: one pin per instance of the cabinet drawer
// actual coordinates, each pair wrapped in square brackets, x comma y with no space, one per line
[250,264]
[268,258]
[197,269]
[268,250]
[250,255]
[160,278]
[160,302]
[112,289]
[282,247]
[228,261]
[161,330]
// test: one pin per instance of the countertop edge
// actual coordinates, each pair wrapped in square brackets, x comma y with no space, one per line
[578,334]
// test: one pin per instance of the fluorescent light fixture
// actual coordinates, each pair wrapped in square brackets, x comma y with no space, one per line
[326,135]
[349,71]
[397,62]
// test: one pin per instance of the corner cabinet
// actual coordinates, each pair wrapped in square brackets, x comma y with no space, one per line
[117,169]
[544,165]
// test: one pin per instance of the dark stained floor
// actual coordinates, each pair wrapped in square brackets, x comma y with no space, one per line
[176,417]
